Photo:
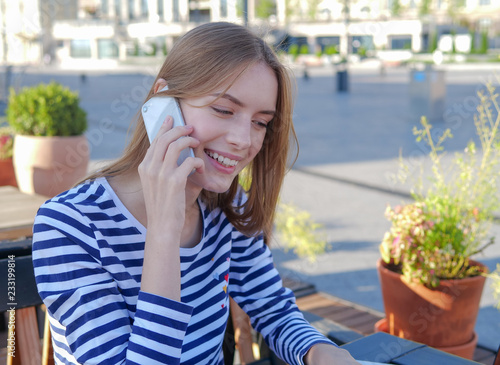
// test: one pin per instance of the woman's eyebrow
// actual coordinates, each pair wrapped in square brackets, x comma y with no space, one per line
[240,103]
[230,98]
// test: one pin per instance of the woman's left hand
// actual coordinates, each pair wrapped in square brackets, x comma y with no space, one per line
[325,354]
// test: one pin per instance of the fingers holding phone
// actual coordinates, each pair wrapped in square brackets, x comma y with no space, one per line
[155,112]
[172,148]
[164,182]
[164,159]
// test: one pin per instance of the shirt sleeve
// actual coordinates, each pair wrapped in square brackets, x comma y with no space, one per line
[256,286]
[93,320]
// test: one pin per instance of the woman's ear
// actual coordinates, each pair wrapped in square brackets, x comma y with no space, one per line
[159,84]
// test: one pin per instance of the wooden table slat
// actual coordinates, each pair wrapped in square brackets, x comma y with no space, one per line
[17,212]
[360,320]
[334,314]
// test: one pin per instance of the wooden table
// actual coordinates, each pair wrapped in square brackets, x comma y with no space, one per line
[17,212]
[387,349]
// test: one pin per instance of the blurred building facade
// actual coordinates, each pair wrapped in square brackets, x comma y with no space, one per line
[77,32]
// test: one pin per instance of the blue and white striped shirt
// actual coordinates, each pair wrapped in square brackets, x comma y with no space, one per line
[88,253]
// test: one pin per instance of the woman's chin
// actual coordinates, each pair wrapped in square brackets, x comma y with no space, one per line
[217,187]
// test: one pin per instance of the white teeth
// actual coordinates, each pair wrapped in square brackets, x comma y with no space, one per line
[222,160]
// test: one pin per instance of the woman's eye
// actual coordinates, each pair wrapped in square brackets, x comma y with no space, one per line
[222,111]
[261,124]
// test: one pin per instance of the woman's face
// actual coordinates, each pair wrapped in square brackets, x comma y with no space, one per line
[231,126]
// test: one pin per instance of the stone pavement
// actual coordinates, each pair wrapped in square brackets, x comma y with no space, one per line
[349,144]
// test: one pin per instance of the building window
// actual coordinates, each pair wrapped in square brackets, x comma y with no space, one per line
[400,41]
[359,44]
[484,2]
[199,15]
[80,48]
[107,48]
[330,43]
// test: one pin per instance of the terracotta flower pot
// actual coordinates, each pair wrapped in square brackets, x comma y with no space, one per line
[440,317]
[49,165]
[7,175]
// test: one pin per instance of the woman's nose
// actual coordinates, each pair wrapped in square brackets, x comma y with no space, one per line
[240,133]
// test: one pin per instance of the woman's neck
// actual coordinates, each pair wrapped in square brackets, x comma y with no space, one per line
[128,188]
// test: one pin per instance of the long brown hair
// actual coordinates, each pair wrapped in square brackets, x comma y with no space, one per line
[203,60]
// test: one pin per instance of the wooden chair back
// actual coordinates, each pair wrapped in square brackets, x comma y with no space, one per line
[24,307]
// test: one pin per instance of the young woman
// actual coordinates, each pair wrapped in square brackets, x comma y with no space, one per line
[137,263]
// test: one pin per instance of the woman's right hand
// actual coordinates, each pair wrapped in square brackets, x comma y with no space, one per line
[164,189]
[164,182]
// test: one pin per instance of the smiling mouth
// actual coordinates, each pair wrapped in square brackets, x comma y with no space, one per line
[224,161]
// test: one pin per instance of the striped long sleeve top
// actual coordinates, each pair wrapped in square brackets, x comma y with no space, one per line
[88,253]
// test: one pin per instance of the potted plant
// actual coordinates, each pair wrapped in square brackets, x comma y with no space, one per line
[430,284]
[7,176]
[50,151]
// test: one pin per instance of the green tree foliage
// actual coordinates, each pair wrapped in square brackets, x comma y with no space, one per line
[484,43]
[312,8]
[265,8]
[433,42]
[425,7]
[396,8]
[331,50]
[473,42]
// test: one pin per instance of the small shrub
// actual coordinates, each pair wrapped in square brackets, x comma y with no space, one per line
[46,110]
[331,50]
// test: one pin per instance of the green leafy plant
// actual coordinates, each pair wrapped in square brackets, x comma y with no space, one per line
[484,43]
[396,8]
[473,42]
[433,42]
[46,110]
[293,50]
[434,237]
[265,8]
[425,7]
[362,51]
[304,49]
[331,50]
[297,230]
[6,143]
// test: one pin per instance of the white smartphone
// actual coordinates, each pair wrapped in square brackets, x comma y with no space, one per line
[154,112]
